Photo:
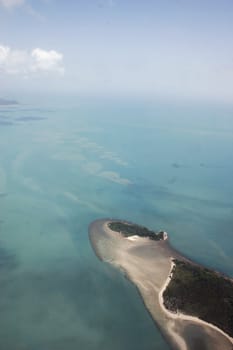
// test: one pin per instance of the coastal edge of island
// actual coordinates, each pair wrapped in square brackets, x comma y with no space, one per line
[169,284]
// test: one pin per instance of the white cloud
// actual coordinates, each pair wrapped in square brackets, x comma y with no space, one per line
[11,3]
[4,52]
[24,62]
[47,60]
[13,61]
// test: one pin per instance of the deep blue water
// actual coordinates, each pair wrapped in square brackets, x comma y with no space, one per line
[165,166]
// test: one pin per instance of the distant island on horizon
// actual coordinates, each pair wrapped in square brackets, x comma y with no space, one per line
[187,293]
[6,102]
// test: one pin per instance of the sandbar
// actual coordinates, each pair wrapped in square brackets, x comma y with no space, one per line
[148,265]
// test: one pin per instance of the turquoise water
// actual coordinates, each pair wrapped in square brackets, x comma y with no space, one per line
[165,166]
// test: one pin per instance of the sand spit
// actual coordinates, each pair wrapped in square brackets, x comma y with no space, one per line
[147,264]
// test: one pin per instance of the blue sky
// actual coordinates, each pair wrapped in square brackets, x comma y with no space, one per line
[161,48]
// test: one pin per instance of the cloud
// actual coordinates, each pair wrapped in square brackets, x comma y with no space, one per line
[25,62]
[47,61]
[4,52]
[13,61]
[11,3]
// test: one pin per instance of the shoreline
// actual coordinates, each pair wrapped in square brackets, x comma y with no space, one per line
[147,264]
[167,311]
[180,314]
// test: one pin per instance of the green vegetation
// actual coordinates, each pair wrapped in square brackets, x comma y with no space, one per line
[128,229]
[200,292]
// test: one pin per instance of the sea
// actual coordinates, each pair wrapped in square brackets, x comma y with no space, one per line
[165,165]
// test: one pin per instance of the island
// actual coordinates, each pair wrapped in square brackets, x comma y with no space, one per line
[191,305]
[130,230]
[201,292]
[5,102]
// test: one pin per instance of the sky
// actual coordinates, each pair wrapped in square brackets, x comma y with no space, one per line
[180,49]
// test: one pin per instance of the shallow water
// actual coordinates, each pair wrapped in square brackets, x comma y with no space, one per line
[167,167]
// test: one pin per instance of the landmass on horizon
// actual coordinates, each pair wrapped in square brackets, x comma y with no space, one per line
[192,305]
[6,102]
